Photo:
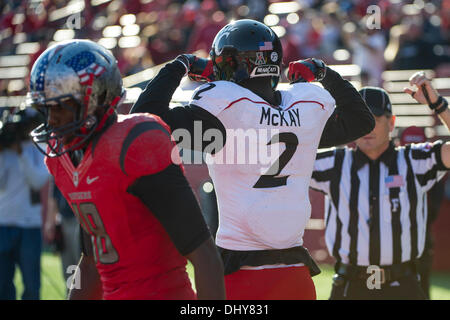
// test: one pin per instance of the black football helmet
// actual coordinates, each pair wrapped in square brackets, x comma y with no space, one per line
[246,49]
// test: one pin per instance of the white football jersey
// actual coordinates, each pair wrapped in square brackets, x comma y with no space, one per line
[262,173]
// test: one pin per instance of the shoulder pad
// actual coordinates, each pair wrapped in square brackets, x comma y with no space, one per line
[129,120]
[142,142]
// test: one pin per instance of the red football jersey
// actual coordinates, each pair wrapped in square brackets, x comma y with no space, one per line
[135,257]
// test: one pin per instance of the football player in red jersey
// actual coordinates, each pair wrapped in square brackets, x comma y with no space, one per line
[139,215]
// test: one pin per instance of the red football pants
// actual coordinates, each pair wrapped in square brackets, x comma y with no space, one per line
[289,283]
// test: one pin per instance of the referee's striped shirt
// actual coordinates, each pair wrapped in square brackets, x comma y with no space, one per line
[376,211]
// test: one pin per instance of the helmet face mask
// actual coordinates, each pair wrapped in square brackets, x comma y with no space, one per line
[66,132]
[79,79]
[246,49]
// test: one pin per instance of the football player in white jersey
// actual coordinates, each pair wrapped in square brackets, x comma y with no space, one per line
[263,205]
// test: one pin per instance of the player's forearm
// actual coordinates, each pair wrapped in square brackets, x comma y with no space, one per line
[90,285]
[444,114]
[158,93]
[445,150]
[445,118]
[209,284]
[351,119]
[209,274]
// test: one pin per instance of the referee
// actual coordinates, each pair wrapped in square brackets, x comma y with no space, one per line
[376,210]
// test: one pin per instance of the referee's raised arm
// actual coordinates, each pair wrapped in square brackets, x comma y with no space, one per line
[377,210]
[425,93]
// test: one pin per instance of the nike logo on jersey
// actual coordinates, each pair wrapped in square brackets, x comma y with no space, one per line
[271,117]
[89,181]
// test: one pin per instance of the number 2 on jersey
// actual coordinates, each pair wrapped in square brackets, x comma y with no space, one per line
[271,178]
[209,86]
[91,222]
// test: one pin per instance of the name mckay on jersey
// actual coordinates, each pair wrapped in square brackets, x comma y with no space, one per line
[274,117]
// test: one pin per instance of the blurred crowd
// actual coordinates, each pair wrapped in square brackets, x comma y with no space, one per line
[396,34]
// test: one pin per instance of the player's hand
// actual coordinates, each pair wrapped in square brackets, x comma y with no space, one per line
[424,88]
[308,70]
[198,69]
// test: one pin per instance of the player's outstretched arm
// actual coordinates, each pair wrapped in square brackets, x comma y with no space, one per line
[352,118]
[425,93]
[90,284]
[208,270]
[156,97]
[159,91]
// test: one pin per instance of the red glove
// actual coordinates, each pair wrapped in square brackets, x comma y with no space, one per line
[198,69]
[306,70]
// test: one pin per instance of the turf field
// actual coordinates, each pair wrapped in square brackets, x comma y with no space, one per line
[53,286]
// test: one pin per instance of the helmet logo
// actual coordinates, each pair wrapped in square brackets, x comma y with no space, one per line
[265,46]
[260,58]
[85,66]
[274,56]
[265,70]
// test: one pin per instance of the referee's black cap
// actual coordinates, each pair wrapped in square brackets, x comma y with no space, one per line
[377,99]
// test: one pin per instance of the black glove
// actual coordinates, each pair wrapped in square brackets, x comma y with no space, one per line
[198,69]
[308,70]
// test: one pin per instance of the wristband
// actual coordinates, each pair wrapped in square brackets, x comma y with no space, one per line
[443,108]
[186,66]
[436,104]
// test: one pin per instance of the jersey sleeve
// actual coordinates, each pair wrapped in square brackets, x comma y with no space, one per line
[427,164]
[148,148]
[215,97]
[322,172]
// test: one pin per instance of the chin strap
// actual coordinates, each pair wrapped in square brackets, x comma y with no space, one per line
[85,131]
[105,117]
[97,72]
[86,99]
[109,111]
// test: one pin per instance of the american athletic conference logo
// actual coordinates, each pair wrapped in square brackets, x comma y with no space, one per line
[260,58]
